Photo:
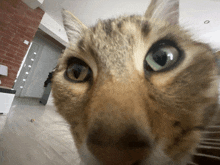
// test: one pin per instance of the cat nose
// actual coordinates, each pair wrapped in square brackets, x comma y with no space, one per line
[130,139]
[127,148]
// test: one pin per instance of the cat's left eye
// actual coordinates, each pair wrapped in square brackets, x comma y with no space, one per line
[161,57]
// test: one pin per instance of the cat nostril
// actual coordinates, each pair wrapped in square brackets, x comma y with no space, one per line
[132,140]
[125,147]
[137,163]
[137,144]
[129,139]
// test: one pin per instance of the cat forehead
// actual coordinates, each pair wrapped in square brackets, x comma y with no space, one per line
[120,45]
[111,41]
[110,26]
[115,35]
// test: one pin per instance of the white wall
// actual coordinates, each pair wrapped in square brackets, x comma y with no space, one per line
[33,3]
[48,24]
[55,30]
[193,13]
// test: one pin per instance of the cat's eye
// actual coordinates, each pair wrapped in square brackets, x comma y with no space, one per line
[78,71]
[161,57]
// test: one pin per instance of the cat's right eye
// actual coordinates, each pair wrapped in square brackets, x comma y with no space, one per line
[78,71]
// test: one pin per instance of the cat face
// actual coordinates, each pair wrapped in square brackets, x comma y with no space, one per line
[135,89]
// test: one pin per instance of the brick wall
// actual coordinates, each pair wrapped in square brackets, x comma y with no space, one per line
[18,22]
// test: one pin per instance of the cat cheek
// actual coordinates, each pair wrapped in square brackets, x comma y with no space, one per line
[78,89]
[212,92]
[161,81]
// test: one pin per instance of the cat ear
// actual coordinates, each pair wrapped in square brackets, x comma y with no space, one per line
[73,26]
[167,10]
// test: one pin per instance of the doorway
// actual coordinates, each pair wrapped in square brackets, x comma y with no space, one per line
[41,59]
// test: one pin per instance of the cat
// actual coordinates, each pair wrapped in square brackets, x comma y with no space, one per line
[135,90]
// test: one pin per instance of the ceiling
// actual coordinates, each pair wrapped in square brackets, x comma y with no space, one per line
[193,13]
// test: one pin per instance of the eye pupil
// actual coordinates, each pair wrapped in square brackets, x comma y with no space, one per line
[77,69]
[160,57]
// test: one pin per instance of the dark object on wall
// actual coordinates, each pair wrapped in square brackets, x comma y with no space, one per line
[48,79]
[206,22]
[47,85]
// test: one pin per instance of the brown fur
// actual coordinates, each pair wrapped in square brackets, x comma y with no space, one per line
[121,104]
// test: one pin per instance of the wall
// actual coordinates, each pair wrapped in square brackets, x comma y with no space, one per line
[193,13]
[52,28]
[18,22]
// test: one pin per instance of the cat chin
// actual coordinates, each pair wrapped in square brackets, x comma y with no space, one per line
[157,157]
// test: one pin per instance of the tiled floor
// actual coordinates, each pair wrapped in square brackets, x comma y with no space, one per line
[46,141]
